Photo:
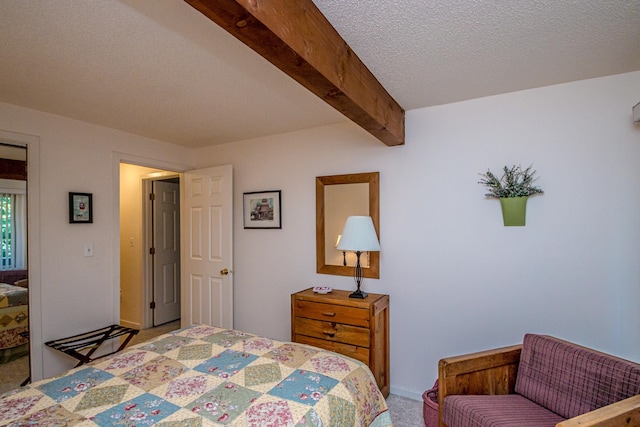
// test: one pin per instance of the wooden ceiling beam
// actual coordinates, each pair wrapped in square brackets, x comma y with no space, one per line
[297,38]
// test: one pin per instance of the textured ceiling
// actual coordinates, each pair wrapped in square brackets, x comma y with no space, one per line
[159,68]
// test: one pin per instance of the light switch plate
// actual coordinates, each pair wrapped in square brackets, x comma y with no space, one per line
[88,249]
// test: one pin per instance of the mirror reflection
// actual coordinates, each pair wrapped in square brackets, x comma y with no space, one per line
[340,202]
[338,197]
[14,283]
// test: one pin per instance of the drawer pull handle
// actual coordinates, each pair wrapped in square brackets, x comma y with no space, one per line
[330,334]
[328,314]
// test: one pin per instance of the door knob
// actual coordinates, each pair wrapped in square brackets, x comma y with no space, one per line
[224,272]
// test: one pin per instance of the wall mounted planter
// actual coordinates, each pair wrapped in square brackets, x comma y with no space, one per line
[514,210]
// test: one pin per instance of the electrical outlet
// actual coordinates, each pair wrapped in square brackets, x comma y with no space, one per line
[88,249]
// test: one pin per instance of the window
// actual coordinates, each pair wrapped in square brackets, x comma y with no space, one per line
[13,225]
[7,226]
[6,230]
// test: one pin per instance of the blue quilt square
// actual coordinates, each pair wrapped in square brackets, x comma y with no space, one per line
[74,384]
[226,364]
[146,409]
[304,387]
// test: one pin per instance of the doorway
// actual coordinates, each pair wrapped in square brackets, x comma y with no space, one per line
[148,225]
[206,262]
[14,278]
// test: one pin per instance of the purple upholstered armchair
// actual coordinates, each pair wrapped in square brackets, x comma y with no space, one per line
[544,382]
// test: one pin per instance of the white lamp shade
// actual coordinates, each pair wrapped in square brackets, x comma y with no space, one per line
[359,235]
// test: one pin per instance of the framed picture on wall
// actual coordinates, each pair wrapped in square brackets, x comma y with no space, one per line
[80,208]
[262,209]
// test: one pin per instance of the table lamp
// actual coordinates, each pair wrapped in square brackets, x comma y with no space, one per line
[359,235]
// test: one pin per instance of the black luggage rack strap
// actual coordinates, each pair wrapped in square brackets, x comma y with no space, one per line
[91,341]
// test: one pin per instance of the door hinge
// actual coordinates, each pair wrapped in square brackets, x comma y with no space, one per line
[152,305]
[152,251]
[152,196]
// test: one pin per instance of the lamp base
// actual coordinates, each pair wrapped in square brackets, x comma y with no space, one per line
[359,294]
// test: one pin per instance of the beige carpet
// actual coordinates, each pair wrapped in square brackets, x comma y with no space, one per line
[404,412]
[13,373]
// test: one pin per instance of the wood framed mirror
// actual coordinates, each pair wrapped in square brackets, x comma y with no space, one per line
[338,197]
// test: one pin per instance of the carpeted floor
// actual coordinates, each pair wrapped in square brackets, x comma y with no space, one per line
[13,373]
[405,412]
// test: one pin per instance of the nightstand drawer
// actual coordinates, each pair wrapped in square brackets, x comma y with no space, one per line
[358,353]
[332,313]
[332,331]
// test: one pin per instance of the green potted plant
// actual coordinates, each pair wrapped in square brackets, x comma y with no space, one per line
[513,189]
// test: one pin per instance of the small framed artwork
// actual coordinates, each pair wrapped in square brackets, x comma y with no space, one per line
[262,209]
[80,208]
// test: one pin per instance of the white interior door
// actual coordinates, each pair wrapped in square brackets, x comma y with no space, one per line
[206,249]
[166,244]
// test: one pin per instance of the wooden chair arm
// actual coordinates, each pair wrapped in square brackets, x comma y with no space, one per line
[485,372]
[623,413]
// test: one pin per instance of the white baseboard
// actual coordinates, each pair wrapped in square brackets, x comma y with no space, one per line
[409,394]
[128,324]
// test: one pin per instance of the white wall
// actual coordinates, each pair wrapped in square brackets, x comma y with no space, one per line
[459,280]
[78,293]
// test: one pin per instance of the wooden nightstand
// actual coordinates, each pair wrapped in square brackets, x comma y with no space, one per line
[358,328]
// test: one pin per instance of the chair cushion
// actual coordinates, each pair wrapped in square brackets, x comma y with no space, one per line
[571,380]
[496,411]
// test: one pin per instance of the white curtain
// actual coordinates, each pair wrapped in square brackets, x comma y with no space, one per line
[20,236]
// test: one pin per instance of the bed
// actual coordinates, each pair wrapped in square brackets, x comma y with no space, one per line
[206,376]
[14,320]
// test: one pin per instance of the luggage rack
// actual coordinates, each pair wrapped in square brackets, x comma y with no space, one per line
[91,341]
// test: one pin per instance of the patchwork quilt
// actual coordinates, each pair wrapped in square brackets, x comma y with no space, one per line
[14,319]
[205,376]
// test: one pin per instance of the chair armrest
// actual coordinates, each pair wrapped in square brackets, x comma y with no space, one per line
[623,413]
[485,372]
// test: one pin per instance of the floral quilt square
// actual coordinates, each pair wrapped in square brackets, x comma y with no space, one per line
[146,409]
[194,352]
[312,419]
[326,364]
[224,403]
[364,392]
[73,384]
[170,342]
[305,387]
[101,396]
[154,373]
[125,360]
[257,345]
[270,414]
[199,331]
[183,387]
[227,338]
[226,364]
[51,416]
[292,355]
[262,374]
[343,413]
[12,408]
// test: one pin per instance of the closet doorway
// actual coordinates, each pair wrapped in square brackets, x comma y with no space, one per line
[14,278]
[149,246]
